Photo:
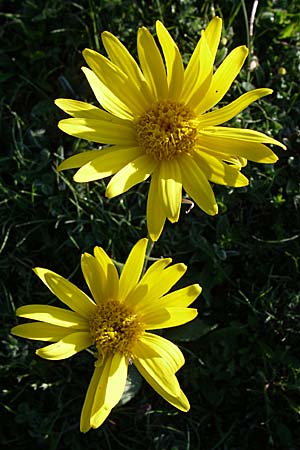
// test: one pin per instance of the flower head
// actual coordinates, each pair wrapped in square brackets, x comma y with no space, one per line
[116,322]
[157,122]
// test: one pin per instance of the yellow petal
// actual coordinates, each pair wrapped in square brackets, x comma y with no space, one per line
[99,131]
[196,185]
[240,134]
[106,98]
[133,173]
[223,78]
[67,292]
[40,331]
[161,347]
[175,71]
[203,70]
[120,56]
[78,160]
[94,276]
[171,188]
[116,81]
[153,273]
[110,272]
[85,419]
[108,162]
[152,64]
[132,269]
[213,35]
[160,377]
[229,111]
[156,215]
[225,149]
[155,366]
[53,315]
[219,172]
[156,319]
[182,297]
[86,111]
[157,286]
[109,394]
[67,346]
[200,66]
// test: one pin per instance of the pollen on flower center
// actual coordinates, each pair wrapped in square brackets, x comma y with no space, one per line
[166,130]
[115,328]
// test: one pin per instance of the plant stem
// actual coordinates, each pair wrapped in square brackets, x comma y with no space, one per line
[149,248]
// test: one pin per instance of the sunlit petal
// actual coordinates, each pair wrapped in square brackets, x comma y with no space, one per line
[134,172]
[132,268]
[175,71]
[66,291]
[67,346]
[40,331]
[223,78]
[196,185]
[53,315]
[108,162]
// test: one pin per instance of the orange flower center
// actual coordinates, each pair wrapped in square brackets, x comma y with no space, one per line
[166,130]
[115,328]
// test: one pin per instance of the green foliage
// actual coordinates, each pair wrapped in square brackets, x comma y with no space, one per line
[242,362]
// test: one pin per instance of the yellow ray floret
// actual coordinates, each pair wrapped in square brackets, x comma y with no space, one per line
[115,320]
[159,125]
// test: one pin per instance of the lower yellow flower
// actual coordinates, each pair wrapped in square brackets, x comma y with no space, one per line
[159,122]
[116,322]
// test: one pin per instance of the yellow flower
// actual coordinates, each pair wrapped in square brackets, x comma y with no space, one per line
[116,322]
[156,122]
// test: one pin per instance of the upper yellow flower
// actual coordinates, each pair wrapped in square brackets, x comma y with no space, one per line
[157,124]
[115,322]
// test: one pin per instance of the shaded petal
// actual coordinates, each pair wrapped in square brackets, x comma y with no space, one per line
[120,56]
[160,377]
[106,98]
[240,134]
[110,388]
[84,110]
[133,173]
[175,71]
[40,331]
[152,64]
[108,162]
[222,148]
[132,268]
[95,277]
[53,315]
[116,81]
[67,292]
[67,346]
[163,348]
[228,112]
[171,188]
[156,319]
[196,185]
[99,131]
[223,78]
[110,272]
[219,172]
[156,215]
[182,297]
